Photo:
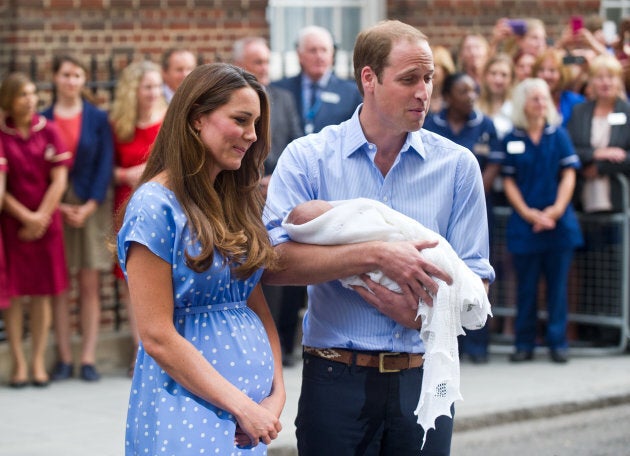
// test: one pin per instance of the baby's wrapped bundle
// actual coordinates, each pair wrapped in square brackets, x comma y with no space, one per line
[462,304]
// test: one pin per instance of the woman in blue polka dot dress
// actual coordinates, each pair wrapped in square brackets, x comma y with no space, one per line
[208,377]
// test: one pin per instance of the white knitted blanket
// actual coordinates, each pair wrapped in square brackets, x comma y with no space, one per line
[462,304]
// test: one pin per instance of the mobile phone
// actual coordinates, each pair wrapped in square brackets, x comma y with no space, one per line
[518,26]
[573,60]
[577,23]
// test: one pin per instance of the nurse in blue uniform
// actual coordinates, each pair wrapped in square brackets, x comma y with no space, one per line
[539,178]
[461,122]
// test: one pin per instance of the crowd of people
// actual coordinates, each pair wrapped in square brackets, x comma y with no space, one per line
[192,169]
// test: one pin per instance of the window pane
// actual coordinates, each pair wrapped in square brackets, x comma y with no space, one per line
[351,25]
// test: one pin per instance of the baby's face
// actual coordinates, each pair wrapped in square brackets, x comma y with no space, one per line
[310,210]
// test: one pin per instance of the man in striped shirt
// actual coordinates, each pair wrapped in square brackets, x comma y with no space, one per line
[362,370]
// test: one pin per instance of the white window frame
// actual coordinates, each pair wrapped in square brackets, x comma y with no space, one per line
[606,5]
[284,60]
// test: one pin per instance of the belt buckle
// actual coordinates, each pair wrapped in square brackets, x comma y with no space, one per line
[381,362]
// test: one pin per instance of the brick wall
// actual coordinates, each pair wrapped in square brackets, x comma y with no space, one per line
[33,30]
[40,28]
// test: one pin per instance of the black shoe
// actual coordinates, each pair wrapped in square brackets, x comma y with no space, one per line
[288,361]
[40,383]
[61,371]
[559,356]
[521,355]
[478,359]
[18,384]
[89,373]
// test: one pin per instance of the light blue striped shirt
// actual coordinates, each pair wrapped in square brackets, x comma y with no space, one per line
[433,180]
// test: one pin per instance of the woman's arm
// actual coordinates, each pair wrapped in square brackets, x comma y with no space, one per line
[35,223]
[257,302]
[564,196]
[151,296]
[534,217]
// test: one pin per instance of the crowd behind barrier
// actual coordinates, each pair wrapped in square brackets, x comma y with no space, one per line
[598,289]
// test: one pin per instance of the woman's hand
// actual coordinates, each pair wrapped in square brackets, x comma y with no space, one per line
[256,424]
[34,226]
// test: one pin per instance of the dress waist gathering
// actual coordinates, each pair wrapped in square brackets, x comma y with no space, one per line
[219,307]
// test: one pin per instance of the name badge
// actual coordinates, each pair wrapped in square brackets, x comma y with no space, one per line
[617,118]
[481,149]
[515,147]
[330,97]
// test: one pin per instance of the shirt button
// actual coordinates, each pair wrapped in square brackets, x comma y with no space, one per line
[385,198]
[397,335]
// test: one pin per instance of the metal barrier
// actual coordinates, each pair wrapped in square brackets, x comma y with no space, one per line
[598,282]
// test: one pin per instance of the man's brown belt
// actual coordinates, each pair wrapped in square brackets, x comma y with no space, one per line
[384,361]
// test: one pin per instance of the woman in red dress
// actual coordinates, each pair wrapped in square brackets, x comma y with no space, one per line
[37,173]
[4,283]
[136,117]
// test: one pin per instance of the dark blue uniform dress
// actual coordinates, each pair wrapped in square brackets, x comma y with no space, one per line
[536,170]
[480,137]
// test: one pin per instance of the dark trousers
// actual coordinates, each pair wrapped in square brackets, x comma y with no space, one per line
[554,266]
[475,342]
[291,301]
[357,411]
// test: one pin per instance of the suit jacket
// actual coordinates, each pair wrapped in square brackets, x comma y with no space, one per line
[285,124]
[93,162]
[579,128]
[347,97]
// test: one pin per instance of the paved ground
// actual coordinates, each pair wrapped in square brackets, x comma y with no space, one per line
[74,418]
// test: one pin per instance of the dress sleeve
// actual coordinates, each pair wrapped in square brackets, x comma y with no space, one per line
[568,156]
[150,221]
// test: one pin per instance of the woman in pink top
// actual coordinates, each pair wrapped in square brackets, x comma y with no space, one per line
[37,162]
[136,117]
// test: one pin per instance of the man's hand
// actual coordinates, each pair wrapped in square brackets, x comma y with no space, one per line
[403,263]
[389,303]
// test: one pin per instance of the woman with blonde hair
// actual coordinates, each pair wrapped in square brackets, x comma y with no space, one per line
[193,245]
[550,68]
[37,164]
[599,131]
[542,232]
[444,65]
[496,88]
[136,117]
[472,55]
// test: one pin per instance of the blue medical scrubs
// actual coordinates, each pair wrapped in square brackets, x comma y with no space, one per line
[480,137]
[536,170]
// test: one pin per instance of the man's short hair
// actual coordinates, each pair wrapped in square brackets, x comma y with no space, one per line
[373,45]
[166,56]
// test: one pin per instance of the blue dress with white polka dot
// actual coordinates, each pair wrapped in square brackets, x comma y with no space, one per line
[210,311]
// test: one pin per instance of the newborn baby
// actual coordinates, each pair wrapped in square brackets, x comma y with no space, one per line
[464,303]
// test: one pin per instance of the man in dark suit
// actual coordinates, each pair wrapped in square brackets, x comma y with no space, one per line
[252,54]
[320,96]
[322,99]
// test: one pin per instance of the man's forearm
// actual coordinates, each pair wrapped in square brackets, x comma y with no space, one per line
[305,264]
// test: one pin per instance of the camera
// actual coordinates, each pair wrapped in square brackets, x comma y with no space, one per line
[518,26]
[573,60]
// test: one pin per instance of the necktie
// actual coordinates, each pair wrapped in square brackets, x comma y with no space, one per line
[314,94]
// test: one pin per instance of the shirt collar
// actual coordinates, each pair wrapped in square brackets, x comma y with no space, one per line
[474,119]
[323,81]
[548,130]
[356,140]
